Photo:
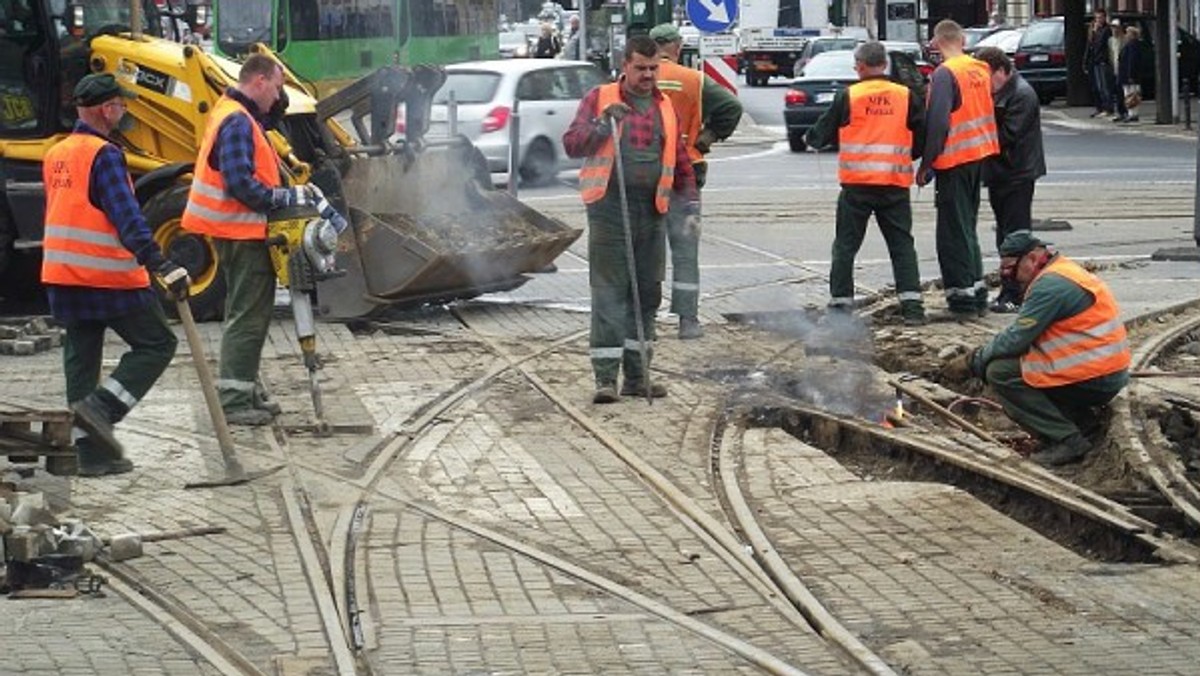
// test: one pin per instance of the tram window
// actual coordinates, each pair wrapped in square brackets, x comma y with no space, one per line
[335,20]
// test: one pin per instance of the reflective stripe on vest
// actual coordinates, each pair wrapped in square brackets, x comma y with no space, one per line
[685,87]
[1089,345]
[597,168]
[211,210]
[80,246]
[972,135]
[875,148]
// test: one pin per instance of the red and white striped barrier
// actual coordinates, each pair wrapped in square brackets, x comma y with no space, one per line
[723,70]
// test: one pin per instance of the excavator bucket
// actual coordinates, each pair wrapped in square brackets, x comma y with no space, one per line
[428,227]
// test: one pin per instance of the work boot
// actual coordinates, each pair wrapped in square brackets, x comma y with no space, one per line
[606,393]
[94,462]
[1071,449]
[912,313]
[250,417]
[93,416]
[689,328]
[260,400]
[637,388]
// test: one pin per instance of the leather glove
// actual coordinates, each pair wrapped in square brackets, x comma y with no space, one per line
[960,369]
[704,140]
[326,209]
[174,277]
[614,111]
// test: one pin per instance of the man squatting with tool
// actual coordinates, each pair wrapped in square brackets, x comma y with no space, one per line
[655,163]
[878,125]
[96,251]
[960,133]
[237,183]
[1063,355]
[707,113]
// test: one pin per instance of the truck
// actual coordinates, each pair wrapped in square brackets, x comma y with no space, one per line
[772,34]
[426,225]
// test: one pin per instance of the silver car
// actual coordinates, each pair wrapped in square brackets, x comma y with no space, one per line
[545,92]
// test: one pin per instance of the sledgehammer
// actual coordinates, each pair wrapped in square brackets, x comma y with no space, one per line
[235,474]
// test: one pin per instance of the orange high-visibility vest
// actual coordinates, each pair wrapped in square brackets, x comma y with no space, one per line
[593,177]
[80,246]
[1089,345]
[875,148]
[972,134]
[684,86]
[210,209]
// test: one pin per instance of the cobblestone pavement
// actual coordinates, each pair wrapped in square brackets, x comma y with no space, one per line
[502,532]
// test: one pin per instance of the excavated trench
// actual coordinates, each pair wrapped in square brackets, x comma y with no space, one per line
[838,399]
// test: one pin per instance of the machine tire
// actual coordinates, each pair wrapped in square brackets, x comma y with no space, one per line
[539,166]
[751,77]
[796,143]
[164,214]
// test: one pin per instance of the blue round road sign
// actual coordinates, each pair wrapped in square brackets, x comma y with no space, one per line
[712,16]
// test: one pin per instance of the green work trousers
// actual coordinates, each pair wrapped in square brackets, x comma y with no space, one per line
[249,300]
[959,257]
[1053,413]
[613,338]
[893,213]
[685,261]
[151,346]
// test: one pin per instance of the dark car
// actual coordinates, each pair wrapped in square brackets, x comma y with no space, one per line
[825,75]
[820,46]
[1042,59]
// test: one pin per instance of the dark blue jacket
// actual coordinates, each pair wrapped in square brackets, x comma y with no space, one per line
[1129,63]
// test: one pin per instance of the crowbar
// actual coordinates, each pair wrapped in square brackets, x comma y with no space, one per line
[633,279]
[235,474]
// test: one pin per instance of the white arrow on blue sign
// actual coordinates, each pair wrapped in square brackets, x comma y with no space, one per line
[712,16]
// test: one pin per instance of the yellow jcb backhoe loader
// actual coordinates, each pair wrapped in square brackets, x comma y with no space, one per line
[425,222]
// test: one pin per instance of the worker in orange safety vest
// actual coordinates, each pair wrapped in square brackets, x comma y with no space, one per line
[960,133]
[655,164]
[1062,357]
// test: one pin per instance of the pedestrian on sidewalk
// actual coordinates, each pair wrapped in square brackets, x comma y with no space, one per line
[708,113]
[1011,174]
[1129,66]
[97,250]
[237,182]
[1116,40]
[960,134]
[878,125]
[1064,356]
[655,163]
[1097,62]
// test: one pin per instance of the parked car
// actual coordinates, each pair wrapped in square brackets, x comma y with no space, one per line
[821,45]
[825,75]
[972,37]
[914,51]
[514,45]
[1042,59]
[1008,40]
[546,93]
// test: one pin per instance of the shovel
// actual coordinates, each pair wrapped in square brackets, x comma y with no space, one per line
[235,474]
[643,351]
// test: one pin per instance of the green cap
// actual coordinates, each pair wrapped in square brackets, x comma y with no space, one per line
[665,32]
[97,88]
[1019,243]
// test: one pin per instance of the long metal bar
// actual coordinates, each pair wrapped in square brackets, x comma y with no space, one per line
[632,264]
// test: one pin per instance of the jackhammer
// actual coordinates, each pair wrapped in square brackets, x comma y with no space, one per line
[303,242]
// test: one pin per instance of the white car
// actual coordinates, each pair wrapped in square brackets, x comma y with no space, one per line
[546,94]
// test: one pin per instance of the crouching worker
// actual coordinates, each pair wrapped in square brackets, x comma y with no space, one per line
[1064,354]
[96,252]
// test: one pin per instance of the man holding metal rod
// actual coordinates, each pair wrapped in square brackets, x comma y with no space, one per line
[627,181]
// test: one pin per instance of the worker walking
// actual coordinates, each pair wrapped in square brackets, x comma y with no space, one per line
[960,135]
[654,164]
[237,182]
[878,125]
[708,113]
[1011,174]
[97,249]
[1064,355]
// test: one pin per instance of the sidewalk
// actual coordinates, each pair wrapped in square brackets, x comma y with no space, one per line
[1080,117]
